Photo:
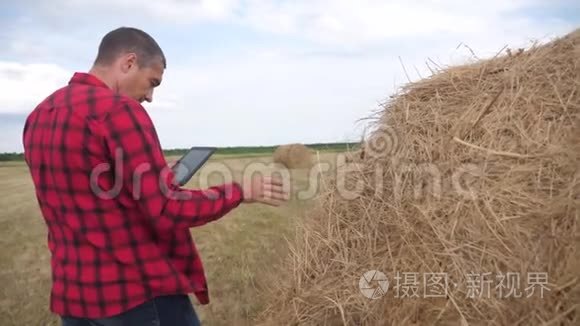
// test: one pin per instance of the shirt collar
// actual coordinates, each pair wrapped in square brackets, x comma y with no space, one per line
[87,79]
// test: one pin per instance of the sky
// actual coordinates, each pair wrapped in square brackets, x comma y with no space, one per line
[259,72]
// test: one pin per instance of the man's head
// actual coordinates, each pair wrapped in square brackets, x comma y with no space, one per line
[133,62]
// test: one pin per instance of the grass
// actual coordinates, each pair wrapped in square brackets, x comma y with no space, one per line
[238,251]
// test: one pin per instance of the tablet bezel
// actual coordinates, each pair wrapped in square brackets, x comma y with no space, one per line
[192,172]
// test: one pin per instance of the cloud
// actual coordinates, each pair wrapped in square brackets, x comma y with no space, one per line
[68,31]
[268,97]
[300,70]
[168,11]
[47,29]
[177,10]
[343,23]
[26,85]
[352,24]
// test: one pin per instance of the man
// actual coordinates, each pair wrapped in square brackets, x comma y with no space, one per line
[121,257]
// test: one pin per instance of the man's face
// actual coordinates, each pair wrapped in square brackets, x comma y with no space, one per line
[139,82]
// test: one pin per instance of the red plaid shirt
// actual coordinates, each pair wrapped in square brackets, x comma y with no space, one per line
[118,228]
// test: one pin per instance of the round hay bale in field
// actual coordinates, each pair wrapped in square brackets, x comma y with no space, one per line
[468,202]
[294,156]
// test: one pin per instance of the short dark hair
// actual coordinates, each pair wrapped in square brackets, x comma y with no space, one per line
[128,39]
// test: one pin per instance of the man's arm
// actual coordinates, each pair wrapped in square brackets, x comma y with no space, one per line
[131,138]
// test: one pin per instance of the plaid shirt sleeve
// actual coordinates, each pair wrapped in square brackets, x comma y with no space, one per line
[133,144]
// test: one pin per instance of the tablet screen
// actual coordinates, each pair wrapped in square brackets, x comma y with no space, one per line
[189,163]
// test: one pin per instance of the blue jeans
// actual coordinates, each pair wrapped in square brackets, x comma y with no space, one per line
[173,310]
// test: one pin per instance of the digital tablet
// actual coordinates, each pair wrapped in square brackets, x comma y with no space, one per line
[189,163]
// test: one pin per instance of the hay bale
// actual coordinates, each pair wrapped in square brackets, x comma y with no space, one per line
[473,173]
[294,156]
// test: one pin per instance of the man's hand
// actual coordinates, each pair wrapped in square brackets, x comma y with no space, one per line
[265,190]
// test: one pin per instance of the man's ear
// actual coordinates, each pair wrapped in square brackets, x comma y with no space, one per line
[128,61]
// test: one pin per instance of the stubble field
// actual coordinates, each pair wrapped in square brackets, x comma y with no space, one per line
[239,251]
